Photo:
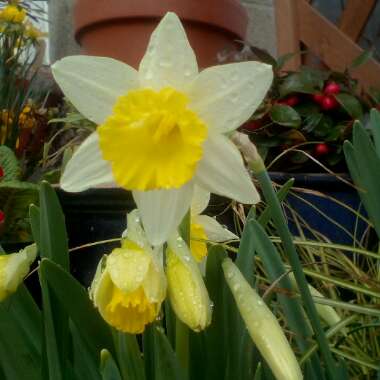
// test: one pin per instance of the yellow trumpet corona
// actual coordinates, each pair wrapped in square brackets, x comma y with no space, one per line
[13,269]
[187,291]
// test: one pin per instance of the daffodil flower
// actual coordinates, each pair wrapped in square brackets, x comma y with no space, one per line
[203,228]
[14,268]
[13,13]
[162,128]
[186,289]
[130,284]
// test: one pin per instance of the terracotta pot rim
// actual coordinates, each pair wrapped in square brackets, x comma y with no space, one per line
[229,15]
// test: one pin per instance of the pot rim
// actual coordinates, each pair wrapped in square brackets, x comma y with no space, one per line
[229,15]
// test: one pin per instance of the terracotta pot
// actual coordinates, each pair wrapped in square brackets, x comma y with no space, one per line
[121,28]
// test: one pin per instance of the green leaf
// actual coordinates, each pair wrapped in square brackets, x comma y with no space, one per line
[34,216]
[215,338]
[375,127]
[129,356]
[19,358]
[282,193]
[9,164]
[312,121]
[350,104]
[56,332]
[26,313]
[74,299]
[285,115]
[161,360]
[108,367]
[283,59]
[85,365]
[53,239]
[363,163]
[307,81]
[361,59]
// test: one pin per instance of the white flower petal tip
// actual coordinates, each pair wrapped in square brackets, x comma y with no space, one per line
[161,211]
[87,168]
[92,84]
[169,59]
[214,230]
[226,96]
[200,201]
[222,171]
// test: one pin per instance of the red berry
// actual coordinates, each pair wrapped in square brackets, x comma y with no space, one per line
[321,149]
[329,103]
[1,172]
[2,217]
[332,88]
[318,97]
[252,125]
[292,100]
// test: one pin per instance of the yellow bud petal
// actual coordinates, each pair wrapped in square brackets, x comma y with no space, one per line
[13,269]
[187,291]
[122,289]
[262,326]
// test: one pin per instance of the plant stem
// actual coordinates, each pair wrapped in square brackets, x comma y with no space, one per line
[287,240]
[181,330]
[182,344]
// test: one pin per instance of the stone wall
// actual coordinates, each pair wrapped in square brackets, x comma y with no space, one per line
[262,26]
[61,36]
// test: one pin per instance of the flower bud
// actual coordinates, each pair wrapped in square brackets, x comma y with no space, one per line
[262,326]
[130,285]
[14,268]
[187,291]
[327,313]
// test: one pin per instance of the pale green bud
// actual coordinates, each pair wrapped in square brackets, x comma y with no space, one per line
[262,326]
[14,268]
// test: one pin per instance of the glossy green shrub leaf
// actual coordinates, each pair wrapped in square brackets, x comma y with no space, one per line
[9,164]
[285,115]
[351,104]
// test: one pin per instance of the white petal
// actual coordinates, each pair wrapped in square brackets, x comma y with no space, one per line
[163,210]
[93,84]
[87,168]
[214,230]
[226,96]
[222,171]
[200,201]
[169,59]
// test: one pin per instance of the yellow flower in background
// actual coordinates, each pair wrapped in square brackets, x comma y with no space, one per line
[162,128]
[203,228]
[32,32]
[130,283]
[14,268]
[13,13]
[186,289]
